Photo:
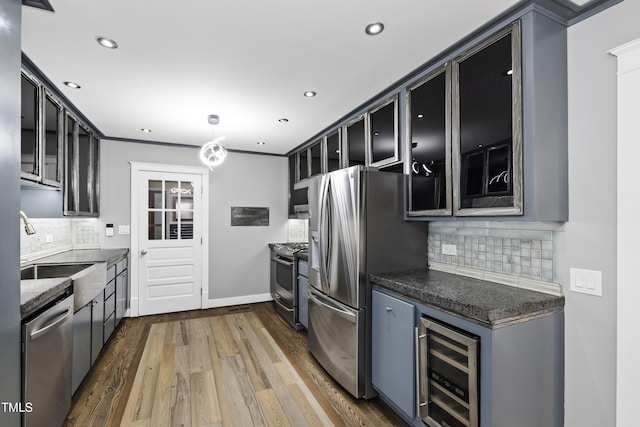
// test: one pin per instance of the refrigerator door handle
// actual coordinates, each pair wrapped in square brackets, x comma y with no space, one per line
[324,231]
[337,309]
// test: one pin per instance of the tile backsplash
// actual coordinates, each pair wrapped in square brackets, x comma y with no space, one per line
[55,235]
[531,251]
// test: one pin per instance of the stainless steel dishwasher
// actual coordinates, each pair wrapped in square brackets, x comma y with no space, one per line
[47,343]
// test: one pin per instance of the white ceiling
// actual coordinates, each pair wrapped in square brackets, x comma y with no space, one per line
[249,61]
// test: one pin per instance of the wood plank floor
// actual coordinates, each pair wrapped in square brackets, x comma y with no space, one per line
[235,366]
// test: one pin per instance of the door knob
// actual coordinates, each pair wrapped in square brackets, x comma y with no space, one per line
[143,252]
[388,309]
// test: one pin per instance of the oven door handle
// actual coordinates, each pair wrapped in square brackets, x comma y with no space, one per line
[283,262]
[282,306]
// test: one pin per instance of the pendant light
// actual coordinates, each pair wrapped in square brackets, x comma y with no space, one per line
[213,153]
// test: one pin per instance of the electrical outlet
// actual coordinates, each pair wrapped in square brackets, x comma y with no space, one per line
[449,249]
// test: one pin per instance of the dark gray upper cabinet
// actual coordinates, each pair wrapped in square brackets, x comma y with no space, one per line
[41,134]
[383,133]
[315,154]
[487,127]
[356,142]
[508,110]
[82,170]
[52,172]
[30,114]
[303,165]
[333,151]
[429,139]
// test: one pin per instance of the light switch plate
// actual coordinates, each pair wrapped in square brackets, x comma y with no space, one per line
[586,281]
[124,229]
[449,249]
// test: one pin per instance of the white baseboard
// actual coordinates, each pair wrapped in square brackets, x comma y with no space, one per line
[246,299]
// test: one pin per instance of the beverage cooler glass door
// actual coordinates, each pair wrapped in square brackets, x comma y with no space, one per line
[447,376]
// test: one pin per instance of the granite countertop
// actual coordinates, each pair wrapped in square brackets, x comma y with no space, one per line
[81,256]
[39,292]
[303,255]
[36,293]
[487,303]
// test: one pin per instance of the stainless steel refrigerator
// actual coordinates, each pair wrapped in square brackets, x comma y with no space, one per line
[356,227]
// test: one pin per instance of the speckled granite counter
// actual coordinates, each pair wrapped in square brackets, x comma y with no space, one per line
[487,303]
[303,255]
[80,256]
[39,292]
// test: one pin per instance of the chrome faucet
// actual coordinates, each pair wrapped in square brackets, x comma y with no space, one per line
[28,228]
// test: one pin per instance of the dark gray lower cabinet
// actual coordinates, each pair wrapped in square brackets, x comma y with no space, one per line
[94,323]
[97,332]
[81,345]
[303,293]
[392,350]
[520,364]
[122,291]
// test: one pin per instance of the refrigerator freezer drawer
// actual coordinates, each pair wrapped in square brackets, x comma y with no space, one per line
[336,339]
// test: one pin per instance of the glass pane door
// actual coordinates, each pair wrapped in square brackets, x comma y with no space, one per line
[170,210]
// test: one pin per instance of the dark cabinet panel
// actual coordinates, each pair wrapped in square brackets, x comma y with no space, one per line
[383,133]
[303,165]
[52,155]
[356,142]
[84,166]
[333,151]
[429,136]
[315,152]
[487,127]
[70,168]
[30,165]
[81,171]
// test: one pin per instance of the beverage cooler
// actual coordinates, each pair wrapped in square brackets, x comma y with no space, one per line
[447,375]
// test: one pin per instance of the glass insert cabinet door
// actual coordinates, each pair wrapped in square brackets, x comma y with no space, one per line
[170,210]
[487,127]
[430,145]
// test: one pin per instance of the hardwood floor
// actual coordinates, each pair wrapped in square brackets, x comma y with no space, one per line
[254,370]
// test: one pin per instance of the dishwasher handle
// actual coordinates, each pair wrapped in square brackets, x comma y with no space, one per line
[57,321]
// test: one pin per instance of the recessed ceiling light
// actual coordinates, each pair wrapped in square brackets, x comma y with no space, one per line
[310,94]
[72,85]
[146,130]
[420,116]
[374,28]
[376,133]
[261,143]
[107,42]
[283,120]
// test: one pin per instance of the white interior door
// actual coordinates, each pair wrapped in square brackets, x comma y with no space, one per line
[169,242]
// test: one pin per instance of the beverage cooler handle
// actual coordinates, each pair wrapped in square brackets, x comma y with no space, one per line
[419,370]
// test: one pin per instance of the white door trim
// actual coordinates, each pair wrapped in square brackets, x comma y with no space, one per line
[628,231]
[136,169]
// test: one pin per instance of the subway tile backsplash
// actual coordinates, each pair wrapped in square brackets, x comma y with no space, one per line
[532,251]
[55,235]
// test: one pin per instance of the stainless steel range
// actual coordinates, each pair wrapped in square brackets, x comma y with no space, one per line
[284,280]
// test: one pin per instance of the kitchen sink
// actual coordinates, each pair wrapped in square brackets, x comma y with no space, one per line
[88,280]
[48,271]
